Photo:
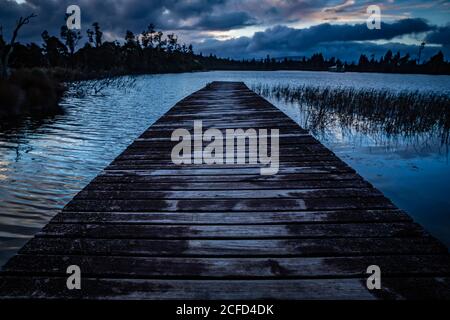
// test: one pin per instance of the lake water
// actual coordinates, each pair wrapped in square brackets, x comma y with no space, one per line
[44,163]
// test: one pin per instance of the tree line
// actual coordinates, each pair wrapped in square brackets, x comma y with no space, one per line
[153,52]
[147,52]
[389,63]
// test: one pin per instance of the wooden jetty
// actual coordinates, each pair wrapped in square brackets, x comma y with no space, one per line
[146,228]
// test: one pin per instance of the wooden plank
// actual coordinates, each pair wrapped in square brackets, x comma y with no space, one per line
[257,185]
[225,169]
[283,141]
[124,231]
[139,165]
[229,194]
[285,151]
[231,268]
[225,218]
[132,289]
[249,205]
[244,170]
[280,179]
[234,247]
[301,159]
[165,159]
[162,134]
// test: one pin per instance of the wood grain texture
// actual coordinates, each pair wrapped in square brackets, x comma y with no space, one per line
[145,228]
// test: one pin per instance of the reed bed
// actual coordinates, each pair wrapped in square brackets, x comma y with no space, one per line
[405,113]
[99,87]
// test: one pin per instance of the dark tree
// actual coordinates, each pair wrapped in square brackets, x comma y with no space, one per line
[55,51]
[172,42]
[7,49]
[388,57]
[147,36]
[130,39]
[363,61]
[90,35]
[27,56]
[71,38]
[98,34]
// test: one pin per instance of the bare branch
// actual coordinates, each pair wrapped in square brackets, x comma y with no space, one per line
[19,24]
[9,48]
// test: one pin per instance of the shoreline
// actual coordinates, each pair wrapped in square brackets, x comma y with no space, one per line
[38,91]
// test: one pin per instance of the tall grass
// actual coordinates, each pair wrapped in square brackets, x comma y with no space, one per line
[98,87]
[388,112]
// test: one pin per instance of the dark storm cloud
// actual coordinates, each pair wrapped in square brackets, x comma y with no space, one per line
[190,18]
[225,21]
[116,16]
[285,39]
[440,36]
[300,39]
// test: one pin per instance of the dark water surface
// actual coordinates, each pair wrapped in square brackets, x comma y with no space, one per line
[44,163]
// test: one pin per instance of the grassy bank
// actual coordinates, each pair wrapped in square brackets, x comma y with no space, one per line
[368,110]
[37,91]
[30,92]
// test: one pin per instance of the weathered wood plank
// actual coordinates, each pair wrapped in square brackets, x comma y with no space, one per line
[229,194]
[249,205]
[165,159]
[280,179]
[285,151]
[283,141]
[244,170]
[132,289]
[192,267]
[257,185]
[232,247]
[130,231]
[162,134]
[259,218]
[226,167]
[300,159]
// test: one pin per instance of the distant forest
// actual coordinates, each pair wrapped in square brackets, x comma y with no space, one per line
[389,63]
[153,52]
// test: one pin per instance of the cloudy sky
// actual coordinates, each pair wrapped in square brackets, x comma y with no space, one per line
[254,28]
